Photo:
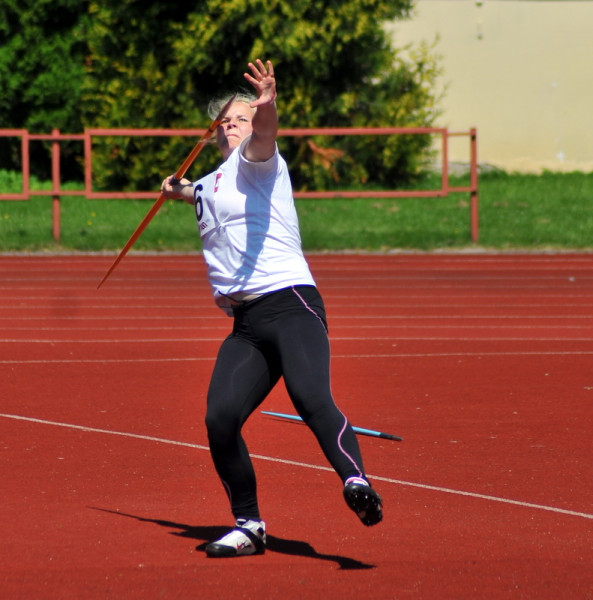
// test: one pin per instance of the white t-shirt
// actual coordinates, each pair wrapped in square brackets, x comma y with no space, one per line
[249,227]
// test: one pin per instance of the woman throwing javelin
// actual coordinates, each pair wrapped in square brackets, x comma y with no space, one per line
[252,247]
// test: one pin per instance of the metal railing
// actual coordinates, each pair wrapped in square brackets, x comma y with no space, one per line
[56,191]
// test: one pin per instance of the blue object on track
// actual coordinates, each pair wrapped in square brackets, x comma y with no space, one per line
[370,432]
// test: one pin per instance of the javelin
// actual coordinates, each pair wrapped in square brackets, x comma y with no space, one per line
[178,175]
[360,430]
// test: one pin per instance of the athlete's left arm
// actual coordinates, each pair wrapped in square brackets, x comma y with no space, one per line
[262,144]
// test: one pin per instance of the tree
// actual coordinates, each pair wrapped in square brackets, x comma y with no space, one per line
[42,49]
[130,63]
[158,65]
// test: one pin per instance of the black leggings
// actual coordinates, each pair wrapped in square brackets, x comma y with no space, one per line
[282,334]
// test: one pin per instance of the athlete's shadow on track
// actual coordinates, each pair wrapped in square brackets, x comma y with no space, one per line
[274,544]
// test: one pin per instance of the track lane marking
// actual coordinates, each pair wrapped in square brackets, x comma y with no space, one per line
[433,488]
[394,338]
[334,356]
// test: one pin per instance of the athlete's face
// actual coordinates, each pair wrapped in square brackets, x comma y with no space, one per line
[235,127]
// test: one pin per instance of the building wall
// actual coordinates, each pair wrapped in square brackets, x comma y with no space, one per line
[520,71]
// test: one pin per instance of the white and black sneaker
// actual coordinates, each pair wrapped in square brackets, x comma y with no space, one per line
[247,538]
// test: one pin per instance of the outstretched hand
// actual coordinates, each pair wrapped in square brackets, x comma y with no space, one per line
[263,81]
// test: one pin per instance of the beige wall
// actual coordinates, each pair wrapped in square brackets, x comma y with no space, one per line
[521,71]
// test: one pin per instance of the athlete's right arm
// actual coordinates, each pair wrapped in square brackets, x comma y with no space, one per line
[181,189]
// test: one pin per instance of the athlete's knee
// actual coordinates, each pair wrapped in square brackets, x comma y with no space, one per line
[312,403]
[222,426]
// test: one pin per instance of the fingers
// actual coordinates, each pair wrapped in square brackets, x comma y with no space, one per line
[172,180]
[166,186]
[169,181]
[171,187]
[260,70]
[262,78]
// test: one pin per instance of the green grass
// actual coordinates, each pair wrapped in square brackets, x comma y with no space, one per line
[532,212]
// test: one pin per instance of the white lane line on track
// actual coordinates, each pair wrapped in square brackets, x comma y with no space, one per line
[104,360]
[405,295]
[367,338]
[141,329]
[328,289]
[332,318]
[357,326]
[66,304]
[334,356]
[120,341]
[305,465]
[429,275]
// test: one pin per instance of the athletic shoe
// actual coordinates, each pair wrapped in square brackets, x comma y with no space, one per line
[248,537]
[365,502]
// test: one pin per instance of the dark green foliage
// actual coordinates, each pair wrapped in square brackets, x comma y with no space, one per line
[42,50]
[132,63]
[335,67]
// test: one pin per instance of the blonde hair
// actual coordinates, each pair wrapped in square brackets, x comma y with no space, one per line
[216,105]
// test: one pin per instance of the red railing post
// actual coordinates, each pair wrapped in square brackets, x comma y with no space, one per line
[25,162]
[474,185]
[445,161]
[55,179]
[88,183]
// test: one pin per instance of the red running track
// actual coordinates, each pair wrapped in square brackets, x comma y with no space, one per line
[482,363]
